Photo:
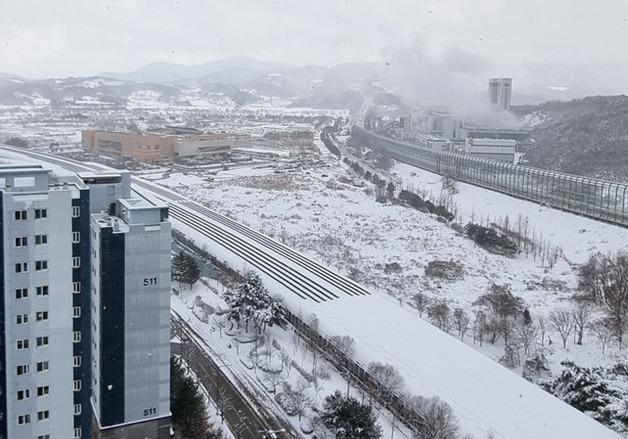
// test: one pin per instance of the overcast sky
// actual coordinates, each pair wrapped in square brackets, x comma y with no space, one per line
[80,37]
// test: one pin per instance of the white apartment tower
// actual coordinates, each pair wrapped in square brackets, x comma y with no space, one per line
[44,311]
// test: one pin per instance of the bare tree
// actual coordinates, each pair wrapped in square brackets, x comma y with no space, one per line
[479,325]
[220,324]
[286,360]
[420,301]
[386,375]
[461,320]
[616,296]
[436,419]
[602,333]
[581,316]
[345,343]
[439,314]
[562,322]
[273,378]
[301,397]
[542,324]
[528,336]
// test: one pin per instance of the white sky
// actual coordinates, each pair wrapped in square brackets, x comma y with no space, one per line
[78,37]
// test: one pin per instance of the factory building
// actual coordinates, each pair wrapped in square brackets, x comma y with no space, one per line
[47,306]
[158,145]
[504,150]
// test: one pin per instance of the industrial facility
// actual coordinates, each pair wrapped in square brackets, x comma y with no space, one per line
[164,144]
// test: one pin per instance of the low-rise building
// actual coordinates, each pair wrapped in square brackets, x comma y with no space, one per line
[157,145]
[504,150]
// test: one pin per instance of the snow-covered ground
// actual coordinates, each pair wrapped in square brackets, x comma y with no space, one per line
[242,357]
[577,235]
[429,361]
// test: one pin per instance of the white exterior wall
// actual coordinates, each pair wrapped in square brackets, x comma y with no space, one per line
[147,322]
[58,252]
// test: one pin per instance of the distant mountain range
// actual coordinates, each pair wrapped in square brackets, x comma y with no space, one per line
[245,79]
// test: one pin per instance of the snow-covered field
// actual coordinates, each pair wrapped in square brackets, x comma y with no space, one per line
[323,215]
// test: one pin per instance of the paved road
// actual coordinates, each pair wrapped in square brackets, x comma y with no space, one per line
[240,416]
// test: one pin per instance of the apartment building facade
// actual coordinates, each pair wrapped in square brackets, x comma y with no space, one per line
[131,321]
[46,305]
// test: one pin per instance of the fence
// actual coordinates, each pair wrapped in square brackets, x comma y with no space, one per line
[357,372]
[598,199]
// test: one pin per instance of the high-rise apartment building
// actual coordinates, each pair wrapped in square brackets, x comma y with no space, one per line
[131,248]
[47,306]
[500,92]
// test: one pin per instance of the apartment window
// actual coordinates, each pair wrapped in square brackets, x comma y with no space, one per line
[21,267]
[42,341]
[41,316]
[76,237]
[43,415]
[78,433]
[21,344]
[23,419]
[41,213]
[76,361]
[77,336]
[77,409]
[21,293]
[43,391]
[20,215]
[76,312]
[76,262]
[23,369]
[43,436]
[76,287]
[42,290]
[21,241]
[77,385]
[76,211]
[21,319]
[41,265]
[43,366]
[41,239]
[23,394]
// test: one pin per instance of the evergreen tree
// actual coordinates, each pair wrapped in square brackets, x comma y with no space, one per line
[252,302]
[349,419]
[185,269]
[187,404]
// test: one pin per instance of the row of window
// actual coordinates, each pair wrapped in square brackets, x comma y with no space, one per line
[22,241]
[26,393]
[42,290]
[42,316]
[24,343]
[22,215]
[42,415]
[25,369]
[42,366]
[22,267]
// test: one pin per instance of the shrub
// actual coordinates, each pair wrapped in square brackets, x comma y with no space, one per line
[491,240]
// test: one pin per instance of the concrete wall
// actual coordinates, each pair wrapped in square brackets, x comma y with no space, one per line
[58,277]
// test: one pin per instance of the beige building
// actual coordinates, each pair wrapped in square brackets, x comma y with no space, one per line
[155,146]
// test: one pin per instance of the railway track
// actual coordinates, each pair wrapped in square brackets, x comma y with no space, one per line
[303,277]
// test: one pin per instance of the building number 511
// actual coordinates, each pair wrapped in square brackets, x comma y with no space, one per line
[150,281]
